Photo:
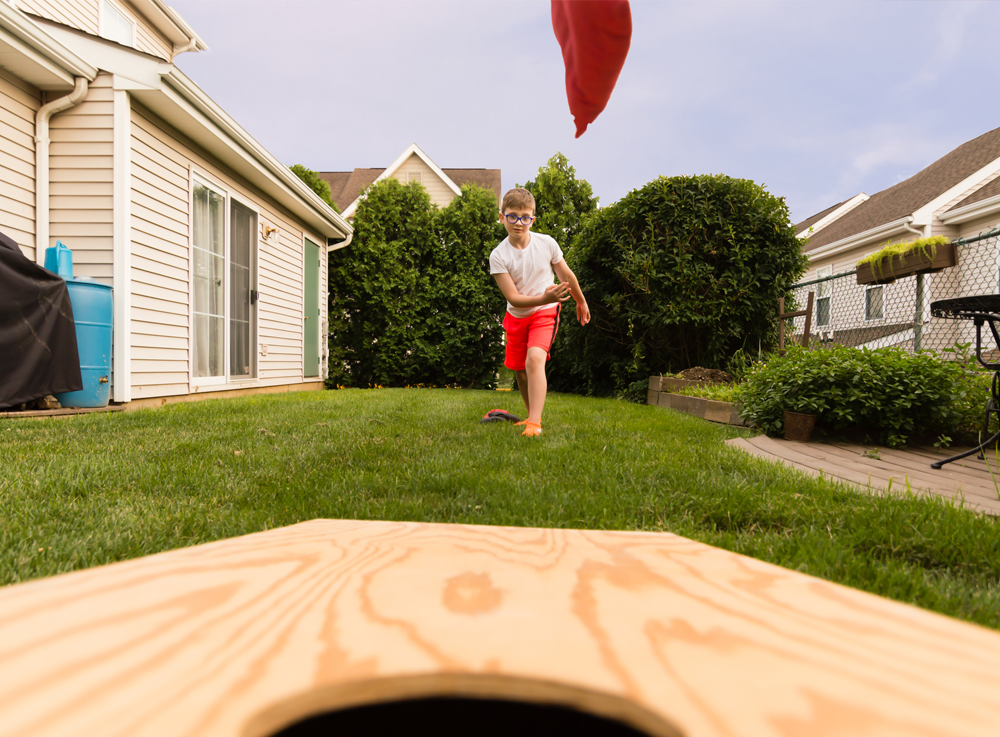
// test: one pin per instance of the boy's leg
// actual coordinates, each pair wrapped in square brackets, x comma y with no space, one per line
[522,386]
[537,384]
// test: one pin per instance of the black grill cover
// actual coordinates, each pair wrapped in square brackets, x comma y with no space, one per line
[38,353]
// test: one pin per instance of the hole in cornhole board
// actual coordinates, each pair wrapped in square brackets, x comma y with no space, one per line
[449,717]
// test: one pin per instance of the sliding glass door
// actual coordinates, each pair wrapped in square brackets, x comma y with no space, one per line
[223,257]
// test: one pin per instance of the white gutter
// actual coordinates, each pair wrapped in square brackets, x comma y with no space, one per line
[169,22]
[194,96]
[989,206]
[886,230]
[42,118]
[343,244]
[51,57]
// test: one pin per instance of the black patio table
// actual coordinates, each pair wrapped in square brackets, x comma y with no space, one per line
[984,308]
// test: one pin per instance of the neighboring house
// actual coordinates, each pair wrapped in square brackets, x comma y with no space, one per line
[216,251]
[957,196]
[413,165]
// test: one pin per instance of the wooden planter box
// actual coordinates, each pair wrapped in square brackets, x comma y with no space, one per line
[917,262]
[707,409]
[660,384]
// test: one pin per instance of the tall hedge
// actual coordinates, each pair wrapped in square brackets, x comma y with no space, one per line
[411,299]
[681,273]
[562,201]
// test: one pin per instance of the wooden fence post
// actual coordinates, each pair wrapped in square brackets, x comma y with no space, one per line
[782,316]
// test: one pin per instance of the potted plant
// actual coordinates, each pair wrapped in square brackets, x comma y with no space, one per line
[923,256]
[798,425]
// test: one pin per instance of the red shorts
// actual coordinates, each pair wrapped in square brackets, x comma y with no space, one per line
[537,329]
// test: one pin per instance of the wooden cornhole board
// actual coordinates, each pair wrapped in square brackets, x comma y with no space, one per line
[246,636]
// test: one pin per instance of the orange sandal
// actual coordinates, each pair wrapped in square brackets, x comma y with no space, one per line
[531,429]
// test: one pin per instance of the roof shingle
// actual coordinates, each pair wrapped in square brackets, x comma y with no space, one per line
[908,196]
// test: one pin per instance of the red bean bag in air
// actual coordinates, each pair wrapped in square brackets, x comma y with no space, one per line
[595,36]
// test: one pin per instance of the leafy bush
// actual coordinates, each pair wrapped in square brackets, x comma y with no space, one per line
[683,272]
[889,394]
[562,201]
[411,300]
[316,184]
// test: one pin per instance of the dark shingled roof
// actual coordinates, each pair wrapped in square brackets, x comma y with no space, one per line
[908,196]
[984,193]
[348,184]
[799,227]
[485,178]
[345,186]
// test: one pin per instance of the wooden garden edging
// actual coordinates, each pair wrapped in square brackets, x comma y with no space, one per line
[243,637]
[660,393]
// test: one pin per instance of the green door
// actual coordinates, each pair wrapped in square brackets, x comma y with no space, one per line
[311,322]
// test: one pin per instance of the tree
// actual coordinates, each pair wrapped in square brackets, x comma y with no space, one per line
[681,273]
[412,301]
[562,202]
[316,184]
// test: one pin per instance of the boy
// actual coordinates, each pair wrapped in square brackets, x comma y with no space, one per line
[522,265]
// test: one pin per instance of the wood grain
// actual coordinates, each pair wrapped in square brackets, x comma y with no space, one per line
[245,636]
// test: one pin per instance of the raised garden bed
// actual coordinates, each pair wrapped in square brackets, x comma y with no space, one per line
[661,393]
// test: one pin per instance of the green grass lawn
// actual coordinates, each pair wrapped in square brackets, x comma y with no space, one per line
[95,489]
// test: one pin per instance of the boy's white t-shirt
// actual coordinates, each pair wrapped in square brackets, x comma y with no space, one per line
[530,267]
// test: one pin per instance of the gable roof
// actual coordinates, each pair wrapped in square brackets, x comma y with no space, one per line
[174,98]
[904,199]
[34,56]
[346,187]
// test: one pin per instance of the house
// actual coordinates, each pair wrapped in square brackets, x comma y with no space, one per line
[215,250]
[957,196]
[413,165]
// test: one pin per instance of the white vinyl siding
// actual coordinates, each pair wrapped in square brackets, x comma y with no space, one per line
[80,174]
[147,39]
[80,14]
[18,104]
[441,194]
[979,225]
[162,162]
[159,174]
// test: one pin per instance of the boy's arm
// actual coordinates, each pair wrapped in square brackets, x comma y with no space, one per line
[567,276]
[555,293]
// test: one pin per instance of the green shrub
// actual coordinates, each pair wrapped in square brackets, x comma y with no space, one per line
[411,300]
[562,201]
[683,272]
[316,184]
[889,394]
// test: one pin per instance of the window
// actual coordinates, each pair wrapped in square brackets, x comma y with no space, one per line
[873,303]
[115,26]
[223,258]
[823,296]
[412,176]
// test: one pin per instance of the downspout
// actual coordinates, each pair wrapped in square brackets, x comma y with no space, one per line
[332,245]
[42,118]
[178,50]
[918,314]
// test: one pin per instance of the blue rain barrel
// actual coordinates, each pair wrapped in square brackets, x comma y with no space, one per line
[92,312]
[59,260]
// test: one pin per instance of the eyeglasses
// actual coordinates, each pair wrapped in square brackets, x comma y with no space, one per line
[526,219]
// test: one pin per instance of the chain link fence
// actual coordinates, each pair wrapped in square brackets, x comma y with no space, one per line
[898,314]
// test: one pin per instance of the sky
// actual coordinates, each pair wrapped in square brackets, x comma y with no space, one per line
[817,100]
